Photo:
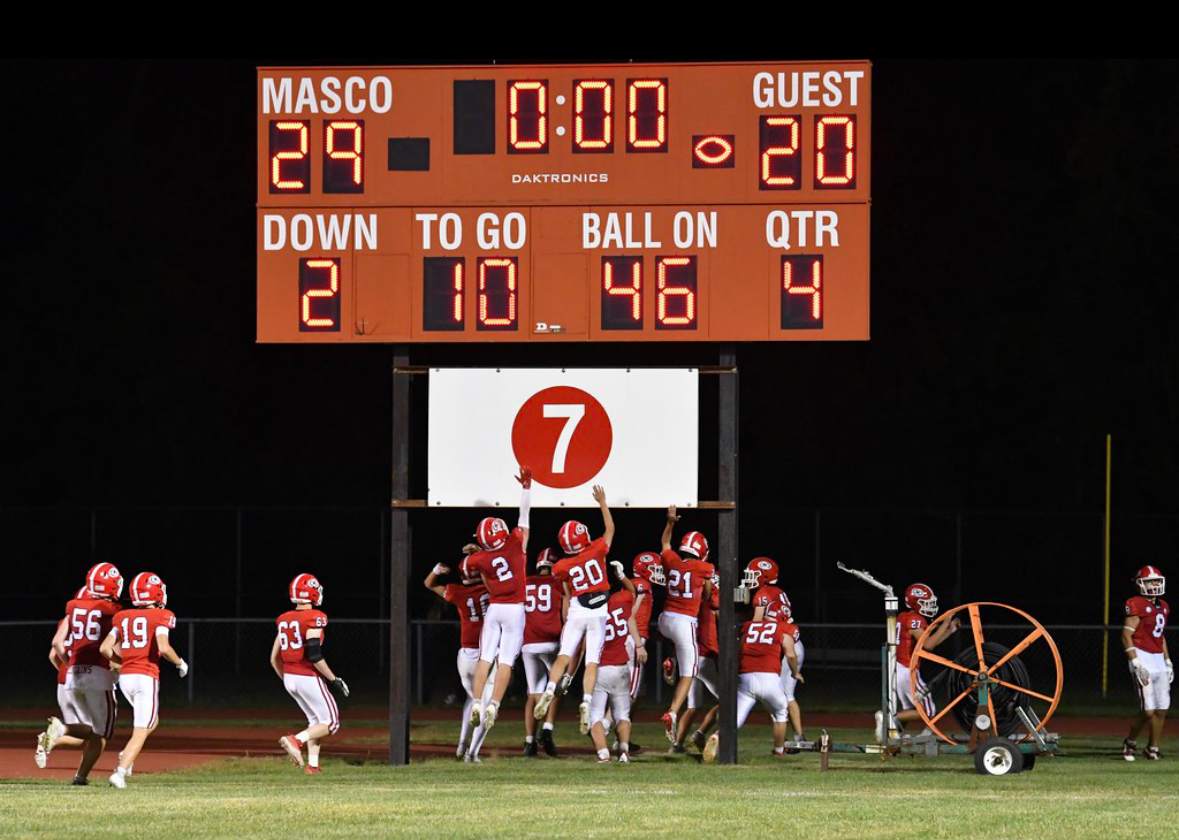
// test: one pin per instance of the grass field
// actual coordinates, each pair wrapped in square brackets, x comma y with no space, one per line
[1089,792]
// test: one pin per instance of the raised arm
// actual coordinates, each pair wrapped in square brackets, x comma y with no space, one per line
[600,498]
[942,633]
[620,573]
[432,580]
[525,479]
[669,527]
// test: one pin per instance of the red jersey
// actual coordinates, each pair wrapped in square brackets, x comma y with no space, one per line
[504,572]
[586,572]
[685,582]
[907,622]
[90,621]
[761,647]
[1152,614]
[771,598]
[138,645]
[643,615]
[618,610]
[472,604]
[706,626]
[790,629]
[292,639]
[542,610]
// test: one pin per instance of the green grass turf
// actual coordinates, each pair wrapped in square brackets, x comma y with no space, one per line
[1089,792]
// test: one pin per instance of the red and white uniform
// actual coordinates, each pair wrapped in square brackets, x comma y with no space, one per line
[707,676]
[139,631]
[585,574]
[771,599]
[1153,614]
[614,673]
[542,630]
[62,670]
[760,678]
[299,676]
[472,603]
[643,623]
[790,629]
[89,693]
[909,623]
[504,573]
[677,622]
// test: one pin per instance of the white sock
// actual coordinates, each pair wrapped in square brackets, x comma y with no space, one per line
[604,755]
[529,739]
[585,698]
[494,704]
[779,750]
[547,726]
[623,746]
[303,737]
[550,687]
[122,771]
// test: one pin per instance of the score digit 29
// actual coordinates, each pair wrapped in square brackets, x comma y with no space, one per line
[290,156]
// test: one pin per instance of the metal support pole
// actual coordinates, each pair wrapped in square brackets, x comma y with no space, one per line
[399,547]
[237,599]
[382,583]
[727,629]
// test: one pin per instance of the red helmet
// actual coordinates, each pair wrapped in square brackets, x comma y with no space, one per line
[573,537]
[148,590]
[694,544]
[545,559]
[104,581]
[306,589]
[920,597]
[759,572]
[784,607]
[649,567]
[492,533]
[1151,582]
[82,593]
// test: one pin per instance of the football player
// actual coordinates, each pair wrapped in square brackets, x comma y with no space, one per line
[583,573]
[1150,661]
[761,578]
[911,627]
[648,573]
[471,600]
[614,674]
[297,658]
[90,704]
[502,563]
[763,644]
[779,611]
[706,679]
[545,603]
[137,640]
[44,745]
[688,580]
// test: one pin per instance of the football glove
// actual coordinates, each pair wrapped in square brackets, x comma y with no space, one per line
[1170,672]
[440,569]
[525,477]
[617,567]
[341,687]
[1140,672]
[182,668]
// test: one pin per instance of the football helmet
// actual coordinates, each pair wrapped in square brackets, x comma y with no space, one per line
[784,608]
[759,572]
[545,560]
[649,567]
[82,593]
[694,544]
[573,537]
[148,590]
[306,589]
[1151,582]
[104,581]
[492,533]
[920,597]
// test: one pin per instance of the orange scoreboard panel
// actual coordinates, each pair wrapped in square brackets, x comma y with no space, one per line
[605,202]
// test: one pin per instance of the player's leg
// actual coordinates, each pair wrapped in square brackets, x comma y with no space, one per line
[1160,690]
[479,733]
[681,630]
[905,700]
[92,719]
[618,688]
[597,715]
[466,663]
[768,688]
[595,636]
[745,703]
[142,692]
[489,642]
[571,635]
[511,639]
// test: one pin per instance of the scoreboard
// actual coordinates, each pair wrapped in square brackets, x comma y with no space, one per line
[555,203]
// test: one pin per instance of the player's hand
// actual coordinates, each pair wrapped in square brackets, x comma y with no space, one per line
[1170,671]
[672,517]
[525,477]
[470,548]
[619,572]
[641,656]
[922,692]
[799,678]
[599,495]
[955,624]
[341,687]
[1140,672]
[441,569]
[182,668]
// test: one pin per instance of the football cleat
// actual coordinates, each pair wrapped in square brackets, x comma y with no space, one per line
[116,779]
[699,739]
[546,743]
[776,754]
[566,682]
[669,725]
[489,715]
[1128,749]
[52,732]
[623,758]
[294,749]
[130,769]
[40,757]
[1152,754]
[542,707]
[530,749]
[676,749]
[711,747]
[669,671]
[80,781]
[583,721]
[312,771]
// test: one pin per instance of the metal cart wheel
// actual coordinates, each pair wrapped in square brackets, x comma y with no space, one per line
[998,757]
[986,670]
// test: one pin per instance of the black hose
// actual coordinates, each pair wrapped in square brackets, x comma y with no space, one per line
[1005,700]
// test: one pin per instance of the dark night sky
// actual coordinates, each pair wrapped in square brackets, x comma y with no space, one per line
[1024,302]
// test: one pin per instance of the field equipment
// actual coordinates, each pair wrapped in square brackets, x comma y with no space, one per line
[993,695]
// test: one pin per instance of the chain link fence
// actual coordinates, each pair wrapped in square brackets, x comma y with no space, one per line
[229,660]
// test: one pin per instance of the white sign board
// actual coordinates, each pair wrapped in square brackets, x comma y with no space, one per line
[634,431]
